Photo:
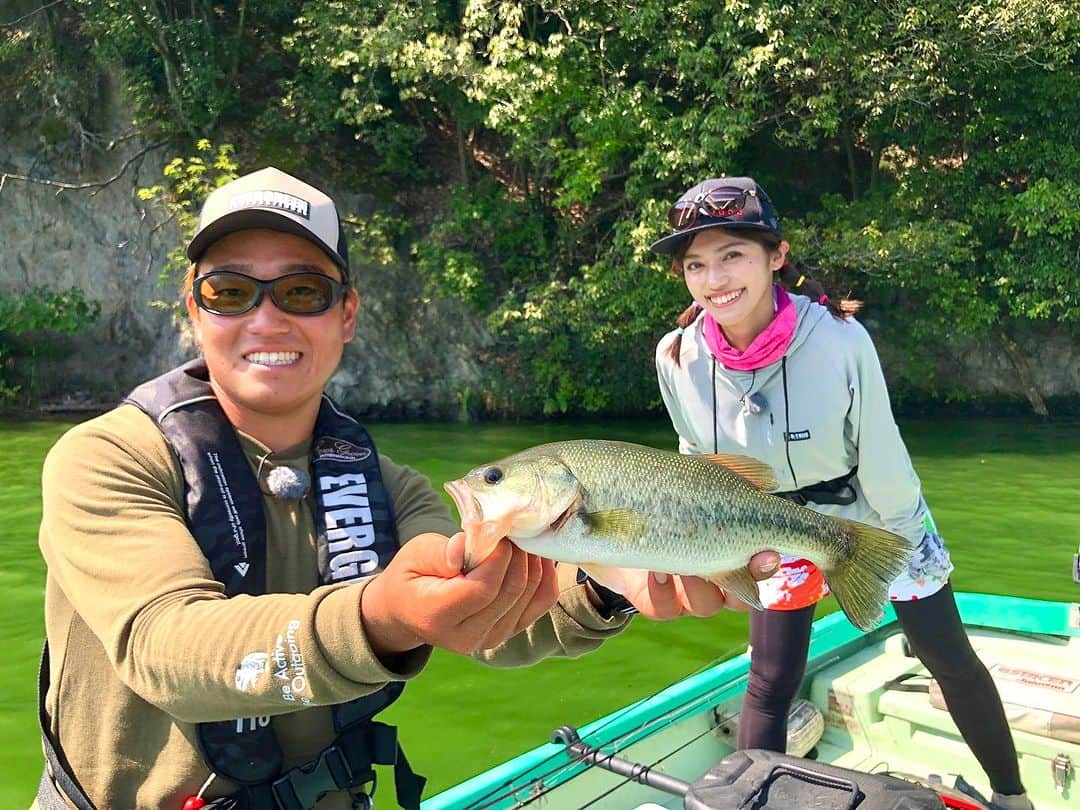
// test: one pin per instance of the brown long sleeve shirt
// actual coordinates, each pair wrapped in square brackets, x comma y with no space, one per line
[144,643]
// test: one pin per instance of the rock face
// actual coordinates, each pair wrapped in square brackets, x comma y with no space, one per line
[409,357]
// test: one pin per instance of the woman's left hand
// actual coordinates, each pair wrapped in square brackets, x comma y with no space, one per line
[662,597]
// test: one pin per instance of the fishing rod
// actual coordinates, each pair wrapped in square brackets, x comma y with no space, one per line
[635,772]
[555,765]
[749,782]
[537,785]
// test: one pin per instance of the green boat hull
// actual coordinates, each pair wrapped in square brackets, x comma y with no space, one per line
[688,727]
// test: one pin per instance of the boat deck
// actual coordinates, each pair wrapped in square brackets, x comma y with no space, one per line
[868,726]
[871,728]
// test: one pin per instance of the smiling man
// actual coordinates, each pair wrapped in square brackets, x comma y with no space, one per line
[238,582]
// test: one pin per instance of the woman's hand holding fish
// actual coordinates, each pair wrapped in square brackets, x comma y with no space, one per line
[663,597]
[424,598]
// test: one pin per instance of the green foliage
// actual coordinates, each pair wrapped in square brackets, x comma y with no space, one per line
[483,245]
[42,309]
[923,155]
[186,66]
[878,247]
[30,327]
[188,182]
[49,84]
[1045,218]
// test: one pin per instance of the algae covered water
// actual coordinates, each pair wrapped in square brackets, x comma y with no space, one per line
[1004,494]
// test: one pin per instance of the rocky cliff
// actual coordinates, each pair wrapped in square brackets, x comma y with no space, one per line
[410,358]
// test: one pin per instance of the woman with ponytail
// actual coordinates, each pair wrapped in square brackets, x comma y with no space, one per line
[765,363]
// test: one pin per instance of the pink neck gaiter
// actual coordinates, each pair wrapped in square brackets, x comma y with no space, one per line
[768,347]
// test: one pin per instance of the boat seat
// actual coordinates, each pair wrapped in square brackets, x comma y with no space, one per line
[1039,697]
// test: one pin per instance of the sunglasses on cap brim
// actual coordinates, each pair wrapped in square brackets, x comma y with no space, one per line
[719,203]
[226,292]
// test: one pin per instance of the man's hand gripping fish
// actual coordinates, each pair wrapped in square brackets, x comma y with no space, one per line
[607,505]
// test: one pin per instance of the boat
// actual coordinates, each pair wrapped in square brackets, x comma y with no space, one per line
[867,709]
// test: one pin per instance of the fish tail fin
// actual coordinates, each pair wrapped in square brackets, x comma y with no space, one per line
[861,581]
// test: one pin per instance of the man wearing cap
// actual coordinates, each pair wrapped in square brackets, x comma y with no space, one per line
[215,635]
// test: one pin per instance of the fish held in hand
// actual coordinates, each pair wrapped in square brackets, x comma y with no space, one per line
[606,505]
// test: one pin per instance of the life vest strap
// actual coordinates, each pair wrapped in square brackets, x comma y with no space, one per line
[345,765]
[837,490]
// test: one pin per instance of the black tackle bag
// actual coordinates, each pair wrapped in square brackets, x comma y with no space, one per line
[765,780]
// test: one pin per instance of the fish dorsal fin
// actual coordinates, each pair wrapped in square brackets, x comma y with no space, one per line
[757,473]
[618,524]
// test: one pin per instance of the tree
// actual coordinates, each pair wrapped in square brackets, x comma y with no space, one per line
[187,65]
[923,154]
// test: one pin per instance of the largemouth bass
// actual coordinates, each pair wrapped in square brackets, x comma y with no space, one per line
[607,505]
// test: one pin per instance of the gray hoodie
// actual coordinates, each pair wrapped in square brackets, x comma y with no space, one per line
[828,395]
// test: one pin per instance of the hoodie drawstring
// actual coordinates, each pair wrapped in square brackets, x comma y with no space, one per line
[787,421]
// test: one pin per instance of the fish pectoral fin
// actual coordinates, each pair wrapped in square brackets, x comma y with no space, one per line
[618,524]
[740,583]
[608,576]
[755,472]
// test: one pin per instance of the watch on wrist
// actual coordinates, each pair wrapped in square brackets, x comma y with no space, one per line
[613,602]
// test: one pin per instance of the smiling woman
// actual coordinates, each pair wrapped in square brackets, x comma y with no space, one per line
[728,274]
[759,369]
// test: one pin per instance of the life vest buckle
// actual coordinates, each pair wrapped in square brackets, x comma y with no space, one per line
[300,788]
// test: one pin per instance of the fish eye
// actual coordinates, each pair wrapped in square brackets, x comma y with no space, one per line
[493,475]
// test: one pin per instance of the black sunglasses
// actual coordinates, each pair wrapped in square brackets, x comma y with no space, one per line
[226,292]
[720,203]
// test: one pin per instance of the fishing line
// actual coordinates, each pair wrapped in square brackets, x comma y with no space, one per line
[505,791]
[495,796]
[537,795]
[663,719]
[627,780]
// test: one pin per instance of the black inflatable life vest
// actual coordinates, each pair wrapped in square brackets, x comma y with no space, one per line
[356,537]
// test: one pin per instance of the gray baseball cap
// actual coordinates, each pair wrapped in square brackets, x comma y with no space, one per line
[272,199]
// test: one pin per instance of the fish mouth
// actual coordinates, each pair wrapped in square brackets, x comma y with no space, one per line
[467,505]
[481,538]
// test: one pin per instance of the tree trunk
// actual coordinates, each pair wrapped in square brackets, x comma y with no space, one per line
[875,164]
[853,176]
[1023,371]
[463,156]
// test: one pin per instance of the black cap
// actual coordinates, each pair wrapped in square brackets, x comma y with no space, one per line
[754,211]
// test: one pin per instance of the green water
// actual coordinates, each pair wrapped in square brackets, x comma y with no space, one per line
[1004,494]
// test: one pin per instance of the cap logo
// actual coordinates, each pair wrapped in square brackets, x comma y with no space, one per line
[271,199]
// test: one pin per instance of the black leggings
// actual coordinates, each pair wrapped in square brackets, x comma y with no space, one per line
[780,640]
